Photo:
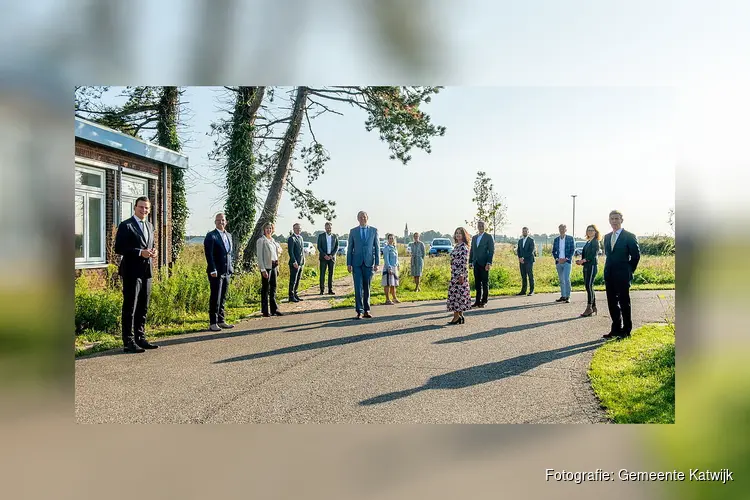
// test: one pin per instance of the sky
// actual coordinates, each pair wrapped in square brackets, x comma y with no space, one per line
[613,147]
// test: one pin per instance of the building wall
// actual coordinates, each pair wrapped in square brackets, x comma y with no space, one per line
[162,234]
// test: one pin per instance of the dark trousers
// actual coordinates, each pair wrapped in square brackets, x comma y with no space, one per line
[527,273]
[136,292]
[618,301]
[219,287]
[326,265]
[481,283]
[294,276]
[589,273]
[268,292]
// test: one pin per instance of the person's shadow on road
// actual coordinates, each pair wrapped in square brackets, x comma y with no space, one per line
[488,372]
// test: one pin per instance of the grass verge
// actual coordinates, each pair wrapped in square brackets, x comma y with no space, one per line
[634,378]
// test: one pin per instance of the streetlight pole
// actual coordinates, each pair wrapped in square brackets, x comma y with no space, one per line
[574,215]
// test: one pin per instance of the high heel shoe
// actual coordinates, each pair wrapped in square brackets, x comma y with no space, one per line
[455,322]
[593,309]
[461,320]
[587,312]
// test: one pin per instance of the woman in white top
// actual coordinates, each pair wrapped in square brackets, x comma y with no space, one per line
[267,252]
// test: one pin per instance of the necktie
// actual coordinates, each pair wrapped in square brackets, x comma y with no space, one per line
[614,238]
[143,229]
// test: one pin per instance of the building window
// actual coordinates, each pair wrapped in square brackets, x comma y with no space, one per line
[132,188]
[89,216]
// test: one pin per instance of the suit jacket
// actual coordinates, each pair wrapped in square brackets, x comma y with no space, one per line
[621,262]
[363,252]
[129,242]
[218,258]
[296,250]
[526,251]
[590,252]
[482,255]
[569,248]
[323,246]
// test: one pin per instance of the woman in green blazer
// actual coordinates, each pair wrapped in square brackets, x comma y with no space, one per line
[589,260]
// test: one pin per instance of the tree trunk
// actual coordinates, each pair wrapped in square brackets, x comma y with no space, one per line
[271,206]
[241,175]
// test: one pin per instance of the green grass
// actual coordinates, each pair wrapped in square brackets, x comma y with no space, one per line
[634,378]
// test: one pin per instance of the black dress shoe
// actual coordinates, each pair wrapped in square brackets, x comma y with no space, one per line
[331,292]
[521,293]
[609,335]
[299,299]
[475,304]
[530,294]
[133,348]
[278,313]
[266,315]
[293,299]
[145,345]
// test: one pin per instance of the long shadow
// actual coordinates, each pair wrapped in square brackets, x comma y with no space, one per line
[501,331]
[260,327]
[322,344]
[488,372]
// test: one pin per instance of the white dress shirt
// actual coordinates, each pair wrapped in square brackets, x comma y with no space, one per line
[561,247]
[329,239]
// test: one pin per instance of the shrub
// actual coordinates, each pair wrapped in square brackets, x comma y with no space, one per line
[657,245]
[96,309]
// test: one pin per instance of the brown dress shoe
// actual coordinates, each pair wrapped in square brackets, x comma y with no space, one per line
[366,315]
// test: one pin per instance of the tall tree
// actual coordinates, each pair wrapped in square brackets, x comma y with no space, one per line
[166,135]
[490,207]
[394,111]
[239,163]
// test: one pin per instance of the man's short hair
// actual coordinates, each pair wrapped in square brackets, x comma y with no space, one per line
[616,212]
[524,227]
[220,214]
[142,198]
[328,224]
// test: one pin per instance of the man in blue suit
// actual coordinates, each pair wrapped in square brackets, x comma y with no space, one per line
[363,259]
[562,251]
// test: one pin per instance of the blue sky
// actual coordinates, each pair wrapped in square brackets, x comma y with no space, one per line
[614,147]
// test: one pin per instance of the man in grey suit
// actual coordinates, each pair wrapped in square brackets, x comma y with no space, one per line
[328,245]
[296,262]
[480,258]
[525,252]
[623,253]
[363,259]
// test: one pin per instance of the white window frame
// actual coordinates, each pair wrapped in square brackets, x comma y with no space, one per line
[124,197]
[89,192]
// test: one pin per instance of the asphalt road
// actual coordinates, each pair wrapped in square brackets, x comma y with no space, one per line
[519,360]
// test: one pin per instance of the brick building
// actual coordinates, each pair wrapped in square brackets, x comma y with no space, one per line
[112,169]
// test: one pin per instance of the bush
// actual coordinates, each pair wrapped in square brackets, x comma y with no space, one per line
[657,245]
[96,309]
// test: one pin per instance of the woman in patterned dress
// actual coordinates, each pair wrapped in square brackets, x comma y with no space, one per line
[459,296]
[417,259]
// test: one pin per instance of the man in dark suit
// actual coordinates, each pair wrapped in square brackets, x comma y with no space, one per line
[135,242]
[480,257]
[328,245]
[562,251]
[525,252]
[362,260]
[622,255]
[296,262]
[218,248]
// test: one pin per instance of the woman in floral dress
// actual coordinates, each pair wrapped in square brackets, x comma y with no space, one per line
[459,296]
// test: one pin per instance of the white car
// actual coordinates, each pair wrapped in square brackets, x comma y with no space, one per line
[308,248]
